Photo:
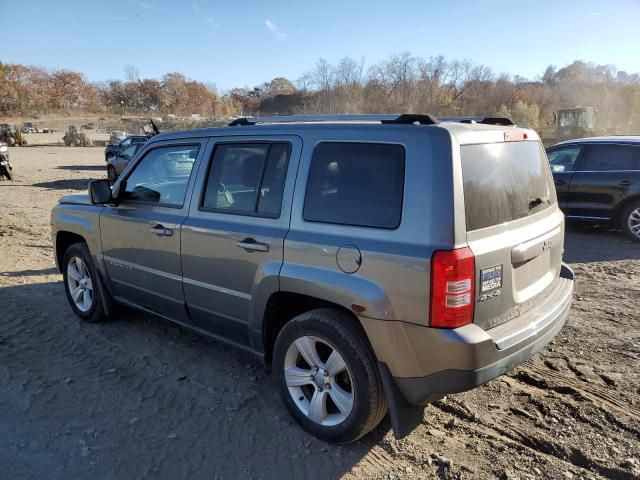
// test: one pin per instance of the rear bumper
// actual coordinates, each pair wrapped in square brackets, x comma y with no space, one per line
[436,362]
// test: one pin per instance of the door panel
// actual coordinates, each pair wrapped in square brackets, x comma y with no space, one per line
[141,234]
[144,267]
[563,161]
[603,180]
[230,250]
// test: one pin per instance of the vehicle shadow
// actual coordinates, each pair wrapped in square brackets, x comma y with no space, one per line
[178,401]
[31,273]
[585,243]
[67,184]
[82,167]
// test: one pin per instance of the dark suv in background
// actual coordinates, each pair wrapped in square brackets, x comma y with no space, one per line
[598,179]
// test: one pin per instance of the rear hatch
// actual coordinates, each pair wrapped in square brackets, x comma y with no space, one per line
[513,226]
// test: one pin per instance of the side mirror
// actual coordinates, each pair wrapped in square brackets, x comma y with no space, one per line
[100,192]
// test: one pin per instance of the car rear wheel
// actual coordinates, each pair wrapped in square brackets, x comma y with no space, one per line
[328,376]
[630,221]
[82,284]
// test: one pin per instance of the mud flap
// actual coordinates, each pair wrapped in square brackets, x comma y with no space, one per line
[107,302]
[404,417]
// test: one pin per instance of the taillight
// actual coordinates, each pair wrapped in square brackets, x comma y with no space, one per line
[452,288]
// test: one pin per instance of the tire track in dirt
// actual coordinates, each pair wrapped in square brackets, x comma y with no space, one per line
[540,444]
[547,379]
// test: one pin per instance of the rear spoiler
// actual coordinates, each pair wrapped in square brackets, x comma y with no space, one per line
[505,122]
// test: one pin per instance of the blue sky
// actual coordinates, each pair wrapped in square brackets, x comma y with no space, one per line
[244,43]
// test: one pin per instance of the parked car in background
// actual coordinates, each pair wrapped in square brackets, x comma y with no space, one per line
[114,149]
[376,261]
[116,137]
[117,163]
[598,180]
[29,127]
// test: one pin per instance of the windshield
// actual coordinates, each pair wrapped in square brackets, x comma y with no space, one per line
[504,182]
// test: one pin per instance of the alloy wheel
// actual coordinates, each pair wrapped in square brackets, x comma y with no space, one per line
[319,381]
[634,222]
[79,284]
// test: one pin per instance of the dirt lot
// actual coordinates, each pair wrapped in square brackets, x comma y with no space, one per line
[140,398]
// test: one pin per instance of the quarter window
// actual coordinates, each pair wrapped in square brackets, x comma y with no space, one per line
[357,184]
[161,177]
[247,179]
[563,159]
[611,157]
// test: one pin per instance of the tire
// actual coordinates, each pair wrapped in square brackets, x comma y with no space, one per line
[357,386]
[112,175]
[630,221]
[91,310]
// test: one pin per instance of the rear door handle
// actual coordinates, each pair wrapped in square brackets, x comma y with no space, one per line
[561,182]
[251,244]
[161,231]
[625,183]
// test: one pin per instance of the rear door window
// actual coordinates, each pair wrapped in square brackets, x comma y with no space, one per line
[504,182]
[247,179]
[358,184]
[600,158]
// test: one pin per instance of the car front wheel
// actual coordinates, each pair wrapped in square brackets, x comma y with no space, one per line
[81,283]
[328,377]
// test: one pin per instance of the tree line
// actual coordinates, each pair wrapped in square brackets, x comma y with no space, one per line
[401,83]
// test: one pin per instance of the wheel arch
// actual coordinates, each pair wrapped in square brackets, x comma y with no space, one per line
[622,206]
[64,239]
[283,306]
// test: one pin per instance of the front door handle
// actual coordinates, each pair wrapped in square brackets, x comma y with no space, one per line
[625,183]
[161,231]
[251,244]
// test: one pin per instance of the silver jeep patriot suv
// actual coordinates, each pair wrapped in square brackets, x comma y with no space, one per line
[377,262]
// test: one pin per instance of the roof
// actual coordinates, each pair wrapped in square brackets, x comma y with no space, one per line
[631,139]
[466,129]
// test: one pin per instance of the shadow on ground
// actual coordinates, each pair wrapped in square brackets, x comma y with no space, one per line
[93,168]
[139,397]
[31,273]
[68,184]
[585,243]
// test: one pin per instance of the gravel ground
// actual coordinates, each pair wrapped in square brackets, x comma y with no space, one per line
[140,398]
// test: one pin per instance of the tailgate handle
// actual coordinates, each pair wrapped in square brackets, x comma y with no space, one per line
[532,248]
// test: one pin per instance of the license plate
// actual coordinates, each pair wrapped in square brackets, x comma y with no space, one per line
[490,278]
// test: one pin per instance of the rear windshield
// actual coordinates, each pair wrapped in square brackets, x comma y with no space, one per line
[504,182]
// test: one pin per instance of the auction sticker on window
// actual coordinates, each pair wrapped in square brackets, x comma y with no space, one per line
[490,278]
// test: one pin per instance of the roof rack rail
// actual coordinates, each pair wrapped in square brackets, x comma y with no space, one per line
[399,119]
[504,121]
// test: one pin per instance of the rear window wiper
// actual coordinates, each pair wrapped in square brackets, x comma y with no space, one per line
[537,201]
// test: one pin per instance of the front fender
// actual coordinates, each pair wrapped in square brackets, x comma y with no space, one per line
[82,220]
